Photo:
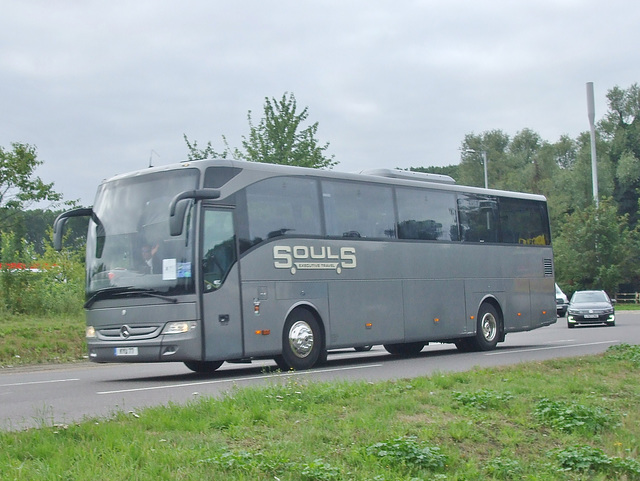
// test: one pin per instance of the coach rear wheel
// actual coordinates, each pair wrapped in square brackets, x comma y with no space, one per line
[302,341]
[465,344]
[363,348]
[203,367]
[488,328]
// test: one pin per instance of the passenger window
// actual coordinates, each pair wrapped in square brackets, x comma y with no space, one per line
[427,215]
[478,218]
[523,222]
[358,210]
[282,206]
[219,247]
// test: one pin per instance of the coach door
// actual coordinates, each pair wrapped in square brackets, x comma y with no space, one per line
[221,286]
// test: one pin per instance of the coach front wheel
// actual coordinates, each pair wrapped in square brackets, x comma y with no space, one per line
[203,367]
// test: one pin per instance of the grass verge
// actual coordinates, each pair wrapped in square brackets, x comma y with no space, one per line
[569,419]
[627,307]
[41,339]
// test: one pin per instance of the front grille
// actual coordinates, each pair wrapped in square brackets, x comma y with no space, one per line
[134,332]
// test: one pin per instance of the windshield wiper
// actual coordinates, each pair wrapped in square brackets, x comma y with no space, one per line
[126,291]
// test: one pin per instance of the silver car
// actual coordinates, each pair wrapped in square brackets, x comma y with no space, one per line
[561,302]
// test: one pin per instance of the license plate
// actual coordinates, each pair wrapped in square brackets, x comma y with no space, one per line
[591,316]
[126,351]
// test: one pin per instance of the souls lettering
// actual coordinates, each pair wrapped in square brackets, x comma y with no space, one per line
[314,258]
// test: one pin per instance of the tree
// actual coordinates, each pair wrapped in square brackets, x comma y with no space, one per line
[32,227]
[207,153]
[19,187]
[565,152]
[277,139]
[596,249]
[621,126]
[494,143]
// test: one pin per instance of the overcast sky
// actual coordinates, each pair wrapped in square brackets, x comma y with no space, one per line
[100,87]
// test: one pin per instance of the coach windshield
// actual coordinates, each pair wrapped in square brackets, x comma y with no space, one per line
[129,247]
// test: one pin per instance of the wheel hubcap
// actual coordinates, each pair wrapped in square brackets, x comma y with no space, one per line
[489,327]
[301,339]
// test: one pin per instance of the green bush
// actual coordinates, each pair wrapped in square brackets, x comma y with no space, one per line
[406,450]
[589,459]
[571,417]
[625,352]
[483,399]
[31,284]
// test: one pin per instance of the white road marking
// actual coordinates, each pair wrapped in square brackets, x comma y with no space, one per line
[498,353]
[250,378]
[38,382]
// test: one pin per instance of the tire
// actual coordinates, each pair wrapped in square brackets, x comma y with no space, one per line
[488,329]
[464,344]
[280,362]
[302,342]
[203,367]
[363,348]
[570,325]
[405,349]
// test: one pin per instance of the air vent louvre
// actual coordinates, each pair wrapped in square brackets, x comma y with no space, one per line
[548,267]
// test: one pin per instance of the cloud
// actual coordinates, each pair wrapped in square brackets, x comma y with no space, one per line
[97,86]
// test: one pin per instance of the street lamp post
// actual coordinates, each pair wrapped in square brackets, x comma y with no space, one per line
[484,164]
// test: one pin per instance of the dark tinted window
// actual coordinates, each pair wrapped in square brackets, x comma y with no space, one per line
[280,206]
[358,210]
[478,218]
[216,177]
[427,215]
[524,222]
[218,247]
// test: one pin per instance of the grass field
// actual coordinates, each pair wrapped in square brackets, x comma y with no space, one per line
[41,339]
[569,419]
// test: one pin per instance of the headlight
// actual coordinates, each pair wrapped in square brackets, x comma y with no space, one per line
[179,327]
[90,332]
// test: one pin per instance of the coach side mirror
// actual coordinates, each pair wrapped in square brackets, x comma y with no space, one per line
[61,220]
[176,221]
[179,204]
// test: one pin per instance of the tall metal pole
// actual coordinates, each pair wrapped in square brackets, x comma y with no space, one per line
[484,162]
[594,165]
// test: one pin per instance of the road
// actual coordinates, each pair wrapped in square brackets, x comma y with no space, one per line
[43,396]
